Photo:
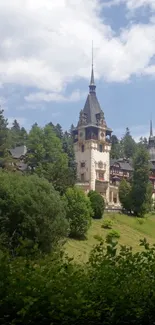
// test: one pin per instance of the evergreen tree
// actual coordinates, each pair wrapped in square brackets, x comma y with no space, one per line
[125,195]
[128,145]
[4,140]
[115,147]
[67,145]
[141,187]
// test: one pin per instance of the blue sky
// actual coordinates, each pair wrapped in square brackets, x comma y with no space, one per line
[45,61]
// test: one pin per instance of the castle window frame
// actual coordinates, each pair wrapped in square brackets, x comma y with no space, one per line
[83,164]
[101,148]
[82,148]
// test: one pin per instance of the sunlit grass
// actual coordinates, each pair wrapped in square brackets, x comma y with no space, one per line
[130,229]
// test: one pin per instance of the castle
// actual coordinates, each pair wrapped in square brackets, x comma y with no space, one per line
[92,145]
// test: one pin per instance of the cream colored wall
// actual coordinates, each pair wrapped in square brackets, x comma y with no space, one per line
[92,156]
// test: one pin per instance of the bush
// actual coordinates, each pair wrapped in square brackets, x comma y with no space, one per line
[97,204]
[140,220]
[113,234]
[31,213]
[79,212]
[98,237]
[107,224]
[112,288]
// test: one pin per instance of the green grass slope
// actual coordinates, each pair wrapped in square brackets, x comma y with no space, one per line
[130,229]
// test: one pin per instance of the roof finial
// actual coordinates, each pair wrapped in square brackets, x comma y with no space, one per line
[151,128]
[92,55]
[92,86]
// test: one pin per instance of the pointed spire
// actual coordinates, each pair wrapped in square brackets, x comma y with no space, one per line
[151,129]
[92,86]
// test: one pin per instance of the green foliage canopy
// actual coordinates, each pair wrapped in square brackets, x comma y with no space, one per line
[97,204]
[79,211]
[30,210]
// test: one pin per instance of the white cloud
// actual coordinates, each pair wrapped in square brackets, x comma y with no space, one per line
[131,4]
[46,44]
[21,120]
[55,97]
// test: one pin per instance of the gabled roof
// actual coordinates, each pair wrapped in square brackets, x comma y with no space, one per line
[124,165]
[18,152]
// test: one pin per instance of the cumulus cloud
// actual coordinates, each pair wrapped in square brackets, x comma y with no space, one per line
[47,44]
[130,4]
[55,97]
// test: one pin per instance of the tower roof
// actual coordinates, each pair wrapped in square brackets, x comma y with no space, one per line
[91,108]
[151,129]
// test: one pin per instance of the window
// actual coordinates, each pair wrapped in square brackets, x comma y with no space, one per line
[82,177]
[101,148]
[82,148]
[101,175]
[82,164]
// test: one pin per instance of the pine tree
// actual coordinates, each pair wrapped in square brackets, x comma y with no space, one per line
[141,187]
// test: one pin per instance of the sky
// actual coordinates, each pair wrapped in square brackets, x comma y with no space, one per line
[45,61]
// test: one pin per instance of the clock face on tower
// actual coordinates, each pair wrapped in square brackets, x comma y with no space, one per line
[81,134]
[102,134]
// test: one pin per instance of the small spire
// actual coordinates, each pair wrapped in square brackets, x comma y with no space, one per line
[92,86]
[151,128]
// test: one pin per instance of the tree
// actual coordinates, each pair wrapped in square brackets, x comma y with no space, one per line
[97,204]
[128,145]
[141,188]
[144,141]
[46,156]
[79,211]
[125,195]
[115,147]
[4,139]
[18,135]
[30,210]
[67,145]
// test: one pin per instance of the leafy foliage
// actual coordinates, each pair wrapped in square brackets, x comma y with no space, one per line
[113,234]
[107,224]
[125,195]
[47,158]
[30,210]
[79,211]
[141,186]
[113,288]
[97,204]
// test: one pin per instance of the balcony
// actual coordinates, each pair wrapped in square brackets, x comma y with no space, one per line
[101,185]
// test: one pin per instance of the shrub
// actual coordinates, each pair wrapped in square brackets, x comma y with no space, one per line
[31,213]
[110,289]
[107,224]
[113,234]
[79,212]
[98,237]
[140,220]
[97,204]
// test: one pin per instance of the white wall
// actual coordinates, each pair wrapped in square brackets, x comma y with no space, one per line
[92,156]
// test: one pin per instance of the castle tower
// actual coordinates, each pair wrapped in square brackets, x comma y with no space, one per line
[92,145]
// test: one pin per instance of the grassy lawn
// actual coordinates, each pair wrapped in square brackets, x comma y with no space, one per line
[131,231]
